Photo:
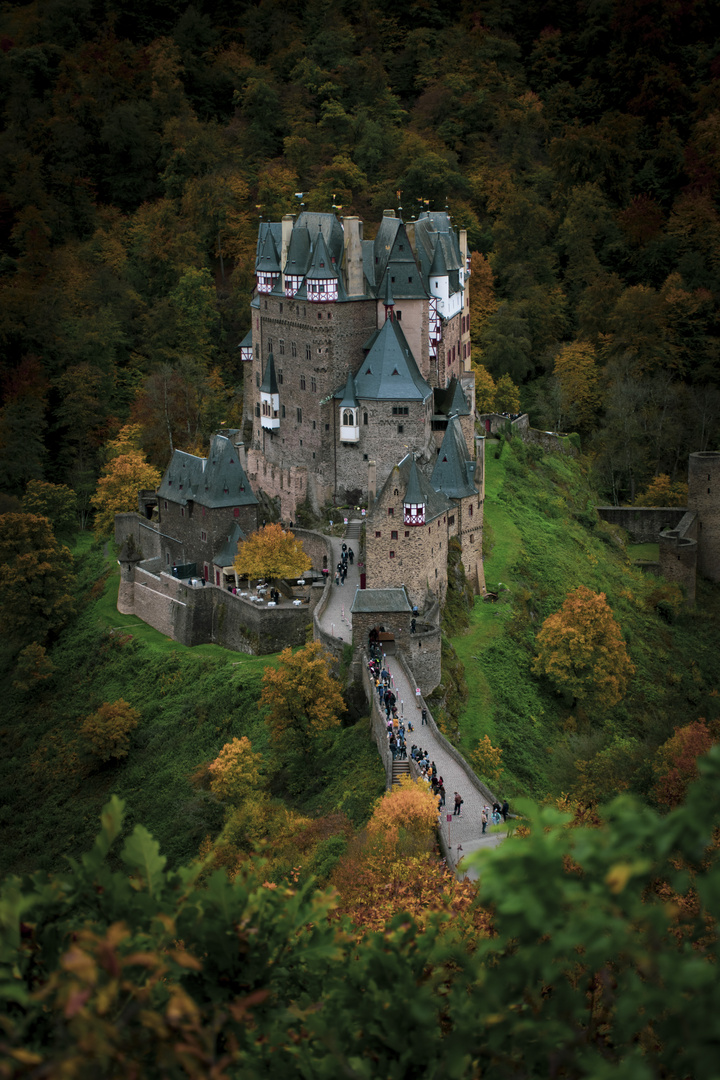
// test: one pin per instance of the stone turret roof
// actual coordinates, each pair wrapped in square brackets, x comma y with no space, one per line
[225,555]
[321,265]
[349,400]
[215,481]
[454,468]
[435,502]
[268,260]
[269,383]
[389,371]
[451,399]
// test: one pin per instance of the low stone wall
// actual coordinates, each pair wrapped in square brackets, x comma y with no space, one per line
[145,535]
[550,441]
[379,722]
[493,423]
[643,523]
[197,614]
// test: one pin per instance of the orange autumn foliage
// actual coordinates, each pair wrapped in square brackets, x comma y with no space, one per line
[675,765]
[235,771]
[271,552]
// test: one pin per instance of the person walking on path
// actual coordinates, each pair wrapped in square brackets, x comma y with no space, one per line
[505,810]
[484,818]
[424,716]
[458,803]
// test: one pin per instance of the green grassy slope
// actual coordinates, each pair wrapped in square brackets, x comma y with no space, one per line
[545,541]
[191,702]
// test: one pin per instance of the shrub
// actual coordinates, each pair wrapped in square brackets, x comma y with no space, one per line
[108,729]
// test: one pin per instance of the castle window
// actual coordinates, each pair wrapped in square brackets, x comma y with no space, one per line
[257,410]
[314,426]
[299,416]
[348,418]
[436,571]
[451,519]
[471,511]
[377,533]
[236,511]
[327,427]
[396,492]
[393,534]
[471,538]
[392,554]
[398,316]
[313,384]
[282,411]
[365,457]
[270,345]
[266,305]
[409,281]
[203,535]
[257,379]
[302,382]
[391,511]
[365,419]
[400,410]
[281,345]
[392,279]
[293,348]
[308,354]
[329,314]
[257,351]
[402,247]
[182,511]
[407,532]
[280,377]
[166,504]
[401,428]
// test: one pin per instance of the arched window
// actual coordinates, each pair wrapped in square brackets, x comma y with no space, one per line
[348,418]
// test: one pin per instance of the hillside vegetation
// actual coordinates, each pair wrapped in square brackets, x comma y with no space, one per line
[545,539]
[190,701]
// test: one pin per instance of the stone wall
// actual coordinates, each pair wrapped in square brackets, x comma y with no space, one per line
[414,555]
[378,721]
[492,423]
[196,614]
[550,441]
[145,534]
[679,554]
[643,523]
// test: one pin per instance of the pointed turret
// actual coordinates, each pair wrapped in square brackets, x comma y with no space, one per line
[349,413]
[267,266]
[270,398]
[454,468]
[414,500]
[322,277]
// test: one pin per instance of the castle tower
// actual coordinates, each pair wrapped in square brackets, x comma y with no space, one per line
[704,498]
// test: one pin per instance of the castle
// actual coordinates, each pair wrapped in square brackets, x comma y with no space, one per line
[358,388]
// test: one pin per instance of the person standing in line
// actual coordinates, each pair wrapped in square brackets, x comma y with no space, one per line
[458,803]
[424,716]
[441,791]
[351,555]
[484,818]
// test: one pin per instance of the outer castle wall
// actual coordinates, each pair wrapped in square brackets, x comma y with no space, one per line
[643,523]
[704,497]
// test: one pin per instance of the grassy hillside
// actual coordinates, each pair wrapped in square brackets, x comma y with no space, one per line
[191,702]
[544,540]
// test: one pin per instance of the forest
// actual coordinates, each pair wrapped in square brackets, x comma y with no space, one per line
[140,146]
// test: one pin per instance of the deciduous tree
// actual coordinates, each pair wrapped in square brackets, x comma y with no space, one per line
[577,374]
[676,762]
[302,702]
[485,389]
[662,491]
[486,759]
[507,396]
[108,729]
[582,652]
[126,473]
[271,552]
[235,771]
[56,502]
[35,579]
[32,668]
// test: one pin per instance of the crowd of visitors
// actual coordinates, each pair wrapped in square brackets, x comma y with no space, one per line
[347,556]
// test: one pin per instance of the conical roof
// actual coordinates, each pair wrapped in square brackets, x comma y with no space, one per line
[321,265]
[413,492]
[268,262]
[269,383]
[451,474]
[349,401]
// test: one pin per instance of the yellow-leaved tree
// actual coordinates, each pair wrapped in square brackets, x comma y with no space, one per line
[235,771]
[108,729]
[303,703]
[126,473]
[661,491]
[271,552]
[577,373]
[507,396]
[486,760]
[582,652]
[484,389]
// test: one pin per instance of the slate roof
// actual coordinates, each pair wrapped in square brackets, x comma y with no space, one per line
[268,260]
[435,502]
[349,400]
[401,269]
[389,371]
[454,469]
[225,555]
[298,255]
[269,383]
[383,601]
[450,399]
[246,342]
[438,248]
[321,265]
[215,481]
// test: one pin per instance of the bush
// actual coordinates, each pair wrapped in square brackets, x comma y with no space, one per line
[108,729]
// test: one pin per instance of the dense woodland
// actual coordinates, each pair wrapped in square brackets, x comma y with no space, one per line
[140,145]
[577,143]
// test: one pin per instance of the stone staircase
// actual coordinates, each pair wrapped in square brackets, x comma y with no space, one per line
[352,532]
[400,769]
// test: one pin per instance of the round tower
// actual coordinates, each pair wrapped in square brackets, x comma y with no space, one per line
[704,497]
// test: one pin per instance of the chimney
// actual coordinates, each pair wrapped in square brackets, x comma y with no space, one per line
[372,484]
[354,276]
[287,227]
[388,213]
[240,448]
[410,230]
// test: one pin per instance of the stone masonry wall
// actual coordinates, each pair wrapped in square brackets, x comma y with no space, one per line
[643,523]
[704,496]
[414,556]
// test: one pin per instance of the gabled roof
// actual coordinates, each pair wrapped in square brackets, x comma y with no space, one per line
[380,600]
[321,265]
[268,260]
[389,371]
[349,400]
[401,270]
[451,474]
[269,383]
[422,490]
[451,400]
[214,481]
[225,555]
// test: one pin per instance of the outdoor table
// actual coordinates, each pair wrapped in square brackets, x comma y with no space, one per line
[297,603]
